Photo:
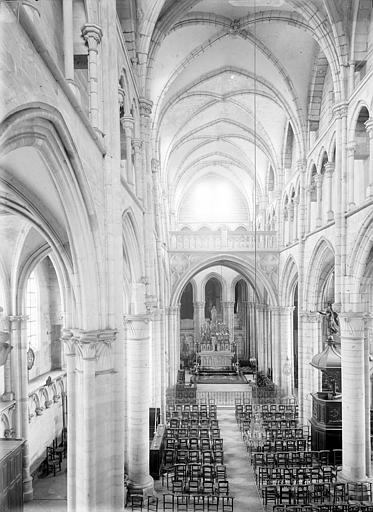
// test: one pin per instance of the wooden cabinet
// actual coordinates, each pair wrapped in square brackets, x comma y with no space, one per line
[11,482]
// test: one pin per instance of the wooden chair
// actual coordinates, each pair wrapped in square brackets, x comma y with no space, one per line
[52,462]
[212,503]
[198,503]
[270,494]
[222,487]
[152,503]
[168,502]
[182,502]
[136,501]
[227,504]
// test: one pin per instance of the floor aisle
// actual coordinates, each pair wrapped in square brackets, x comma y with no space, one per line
[239,471]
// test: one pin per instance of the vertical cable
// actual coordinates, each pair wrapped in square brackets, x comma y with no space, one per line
[255,189]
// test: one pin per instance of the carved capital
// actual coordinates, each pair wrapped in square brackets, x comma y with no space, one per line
[340,109]
[92,34]
[228,304]
[93,345]
[127,123]
[351,148]
[17,318]
[301,165]
[310,316]
[329,168]
[137,145]
[121,96]
[369,127]
[145,107]
[353,324]
[318,180]
[155,165]
[69,342]
[173,310]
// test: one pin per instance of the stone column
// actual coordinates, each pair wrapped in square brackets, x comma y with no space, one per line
[308,209]
[318,179]
[259,308]
[351,148]
[68,42]
[340,111]
[367,405]
[296,226]
[19,341]
[253,330]
[285,219]
[228,316]
[69,345]
[308,346]
[290,222]
[137,145]
[198,319]
[156,356]
[138,393]
[329,170]
[85,350]
[286,353]
[127,123]
[173,343]
[8,394]
[276,344]
[92,34]
[353,396]
[369,127]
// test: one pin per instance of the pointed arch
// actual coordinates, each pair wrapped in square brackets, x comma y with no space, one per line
[288,281]
[320,265]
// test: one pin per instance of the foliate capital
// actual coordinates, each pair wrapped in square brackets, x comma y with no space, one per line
[91,344]
[68,340]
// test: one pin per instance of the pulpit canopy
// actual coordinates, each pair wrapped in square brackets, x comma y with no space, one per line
[329,358]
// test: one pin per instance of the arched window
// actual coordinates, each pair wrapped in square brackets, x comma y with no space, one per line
[32,301]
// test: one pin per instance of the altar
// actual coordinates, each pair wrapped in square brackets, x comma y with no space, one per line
[216,360]
[215,350]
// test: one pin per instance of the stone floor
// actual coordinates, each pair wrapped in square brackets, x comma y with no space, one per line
[50,492]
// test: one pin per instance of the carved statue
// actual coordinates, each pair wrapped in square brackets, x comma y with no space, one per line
[5,347]
[4,325]
[213,314]
[331,319]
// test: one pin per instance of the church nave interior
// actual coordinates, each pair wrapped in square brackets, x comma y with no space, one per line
[186,229]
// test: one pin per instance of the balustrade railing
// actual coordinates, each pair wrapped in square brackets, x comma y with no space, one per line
[220,240]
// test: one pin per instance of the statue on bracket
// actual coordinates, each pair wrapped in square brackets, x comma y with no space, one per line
[331,319]
[5,346]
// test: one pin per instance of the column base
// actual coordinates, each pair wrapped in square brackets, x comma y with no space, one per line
[144,489]
[351,475]
[28,491]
